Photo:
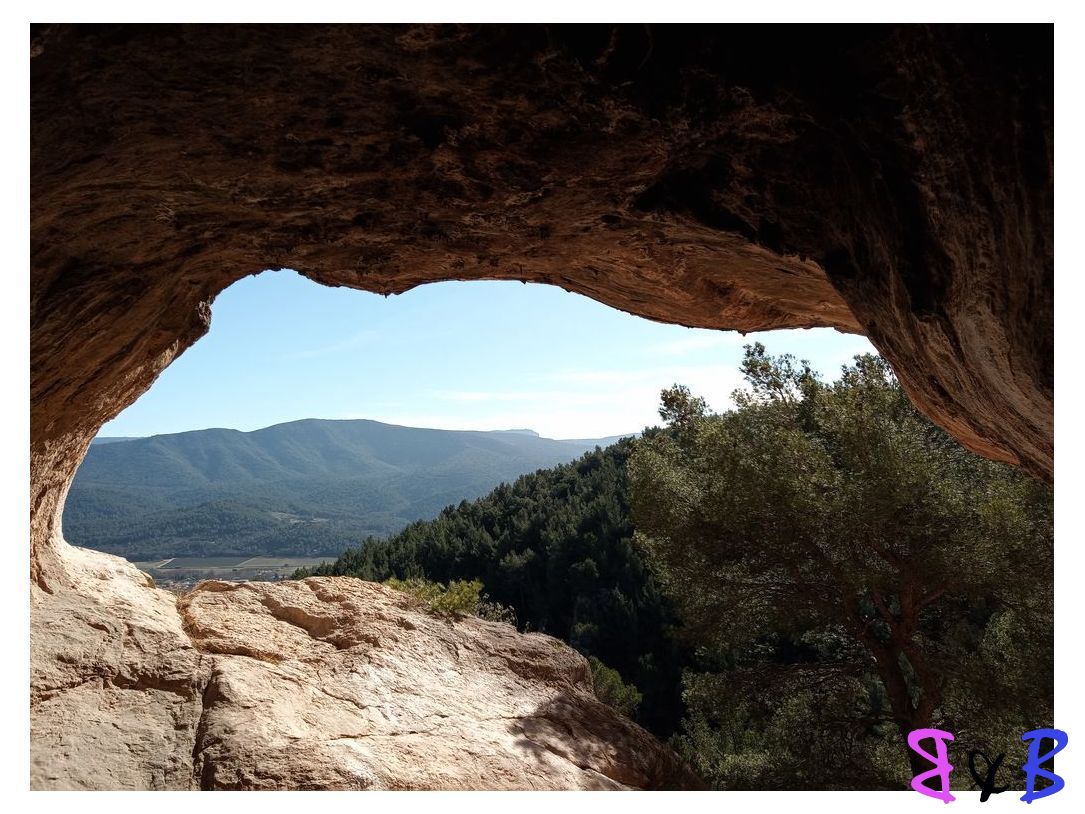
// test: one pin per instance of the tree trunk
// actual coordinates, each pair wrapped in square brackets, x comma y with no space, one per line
[907,716]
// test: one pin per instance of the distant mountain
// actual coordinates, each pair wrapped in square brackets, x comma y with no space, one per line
[305,488]
[112,439]
[591,443]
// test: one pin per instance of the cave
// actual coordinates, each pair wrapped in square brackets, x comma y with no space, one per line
[891,181]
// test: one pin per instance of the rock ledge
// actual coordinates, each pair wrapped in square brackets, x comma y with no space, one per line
[324,683]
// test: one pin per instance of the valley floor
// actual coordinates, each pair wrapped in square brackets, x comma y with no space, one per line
[182,572]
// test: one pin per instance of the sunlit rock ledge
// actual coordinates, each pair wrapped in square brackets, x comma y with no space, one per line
[325,683]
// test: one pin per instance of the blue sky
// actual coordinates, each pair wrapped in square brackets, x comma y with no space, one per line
[479,355]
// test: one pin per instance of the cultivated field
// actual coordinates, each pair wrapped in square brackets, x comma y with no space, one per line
[189,570]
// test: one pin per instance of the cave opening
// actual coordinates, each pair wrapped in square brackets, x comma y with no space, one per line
[286,444]
[218,482]
[311,421]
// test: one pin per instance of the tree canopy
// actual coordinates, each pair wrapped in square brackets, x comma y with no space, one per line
[850,573]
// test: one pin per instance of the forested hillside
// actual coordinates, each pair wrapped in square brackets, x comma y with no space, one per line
[306,488]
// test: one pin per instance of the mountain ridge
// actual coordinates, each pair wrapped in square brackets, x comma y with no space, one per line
[308,487]
[113,439]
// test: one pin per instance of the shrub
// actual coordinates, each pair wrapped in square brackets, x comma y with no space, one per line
[458,598]
[495,612]
[611,690]
[422,589]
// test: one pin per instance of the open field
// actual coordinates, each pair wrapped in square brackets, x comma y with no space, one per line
[185,570]
[283,562]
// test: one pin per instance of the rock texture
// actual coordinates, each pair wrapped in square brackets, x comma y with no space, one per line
[116,685]
[326,683]
[894,181]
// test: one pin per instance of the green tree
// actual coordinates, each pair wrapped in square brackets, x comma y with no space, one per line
[851,571]
[679,407]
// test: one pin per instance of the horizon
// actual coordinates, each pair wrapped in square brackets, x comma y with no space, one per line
[470,356]
[523,430]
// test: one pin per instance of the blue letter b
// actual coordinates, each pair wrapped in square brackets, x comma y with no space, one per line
[1032,766]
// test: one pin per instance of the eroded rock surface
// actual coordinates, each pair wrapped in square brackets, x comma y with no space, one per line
[326,683]
[115,684]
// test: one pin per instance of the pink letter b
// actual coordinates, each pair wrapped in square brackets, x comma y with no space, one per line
[942,766]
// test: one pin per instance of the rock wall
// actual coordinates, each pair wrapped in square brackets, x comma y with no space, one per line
[893,181]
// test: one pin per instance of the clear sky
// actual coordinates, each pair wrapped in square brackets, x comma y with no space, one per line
[479,355]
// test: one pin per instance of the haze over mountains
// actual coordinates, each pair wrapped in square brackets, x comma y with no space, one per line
[304,488]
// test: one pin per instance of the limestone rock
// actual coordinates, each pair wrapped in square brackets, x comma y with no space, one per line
[115,683]
[326,683]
